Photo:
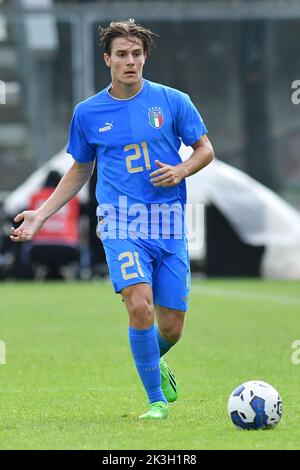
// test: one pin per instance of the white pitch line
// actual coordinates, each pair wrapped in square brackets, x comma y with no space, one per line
[245,295]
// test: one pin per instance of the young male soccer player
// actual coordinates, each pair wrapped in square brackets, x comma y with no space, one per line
[133,129]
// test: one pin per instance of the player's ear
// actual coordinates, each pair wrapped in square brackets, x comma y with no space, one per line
[106,58]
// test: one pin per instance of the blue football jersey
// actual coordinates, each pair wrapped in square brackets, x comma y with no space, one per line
[126,136]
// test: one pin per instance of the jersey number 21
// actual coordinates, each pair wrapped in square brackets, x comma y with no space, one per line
[140,152]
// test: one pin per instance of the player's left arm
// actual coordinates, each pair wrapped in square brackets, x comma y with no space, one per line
[169,175]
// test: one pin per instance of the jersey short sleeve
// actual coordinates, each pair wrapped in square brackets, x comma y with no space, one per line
[190,125]
[78,146]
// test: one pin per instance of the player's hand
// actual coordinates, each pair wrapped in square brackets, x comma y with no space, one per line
[29,227]
[167,175]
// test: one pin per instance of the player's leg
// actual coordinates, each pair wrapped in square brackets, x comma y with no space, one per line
[130,268]
[171,286]
[145,351]
[171,304]
[169,327]
[169,330]
[138,300]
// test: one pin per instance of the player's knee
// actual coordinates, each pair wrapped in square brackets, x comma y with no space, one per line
[174,336]
[141,312]
[172,333]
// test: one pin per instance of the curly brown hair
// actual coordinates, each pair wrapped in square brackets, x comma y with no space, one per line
[126,29]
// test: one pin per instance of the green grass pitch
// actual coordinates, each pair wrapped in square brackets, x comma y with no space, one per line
[69,381]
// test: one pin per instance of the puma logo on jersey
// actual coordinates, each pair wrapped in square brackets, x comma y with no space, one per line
[108,126]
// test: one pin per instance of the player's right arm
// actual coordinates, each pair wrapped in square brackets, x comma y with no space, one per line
[69,186]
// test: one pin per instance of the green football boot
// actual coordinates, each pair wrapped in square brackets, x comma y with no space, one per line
[157,410]
[168,382]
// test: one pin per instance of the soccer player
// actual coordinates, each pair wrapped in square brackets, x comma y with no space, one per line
[133,130]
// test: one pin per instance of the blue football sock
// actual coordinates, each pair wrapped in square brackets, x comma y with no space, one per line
[163,344]
[145,353]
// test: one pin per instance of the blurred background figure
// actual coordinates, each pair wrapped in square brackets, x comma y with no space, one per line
[54,252]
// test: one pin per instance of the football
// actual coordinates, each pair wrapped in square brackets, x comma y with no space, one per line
[255,405]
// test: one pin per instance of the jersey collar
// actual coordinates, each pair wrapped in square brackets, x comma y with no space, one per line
[141,90]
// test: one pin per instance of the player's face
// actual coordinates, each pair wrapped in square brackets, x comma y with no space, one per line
[126,61]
